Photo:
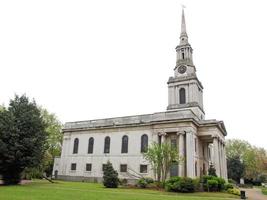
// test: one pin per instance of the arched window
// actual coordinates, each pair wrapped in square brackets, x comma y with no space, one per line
[124,144]
[91,145]
[144,143]
[182,95]
[107,145]
[76,146]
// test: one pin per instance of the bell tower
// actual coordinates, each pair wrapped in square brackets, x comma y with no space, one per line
[185,91]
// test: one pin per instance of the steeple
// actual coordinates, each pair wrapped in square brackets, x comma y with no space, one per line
[184,89]
[183,35]
[184,49]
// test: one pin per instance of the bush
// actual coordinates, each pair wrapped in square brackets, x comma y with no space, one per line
[110,178]
[187,185]
[144,182]
[234,191]
[197,185]
[171,184]
[212,171]
[123,182]
[215,184]
[231,181]
[221,183]
[180,184]
[228,186]
[212,185]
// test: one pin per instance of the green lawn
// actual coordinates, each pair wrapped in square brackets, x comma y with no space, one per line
[43,190]
[264,191]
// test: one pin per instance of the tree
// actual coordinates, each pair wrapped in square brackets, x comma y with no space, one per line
[235,168]
[52,146]
[212,171]
[161,157]
[110,178]
[253,158]
[22,138]
[53,141]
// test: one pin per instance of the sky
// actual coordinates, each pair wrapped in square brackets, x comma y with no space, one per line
[91,59]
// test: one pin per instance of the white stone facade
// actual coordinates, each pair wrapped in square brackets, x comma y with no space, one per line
[200,142]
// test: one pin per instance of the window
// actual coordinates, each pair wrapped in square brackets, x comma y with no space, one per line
[88,167]
[143,168]
[91,145]
[76,146]
[123,168]
[174,143]
[124,144]
[183,55]
[159,139]
[107,145]
[104,166]
[73,166]
[144,143]
[182,95]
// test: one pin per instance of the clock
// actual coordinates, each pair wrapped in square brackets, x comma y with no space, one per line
[182,69]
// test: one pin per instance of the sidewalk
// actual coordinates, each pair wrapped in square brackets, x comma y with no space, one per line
[255,194]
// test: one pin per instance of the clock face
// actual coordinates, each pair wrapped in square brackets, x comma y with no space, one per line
[182,69]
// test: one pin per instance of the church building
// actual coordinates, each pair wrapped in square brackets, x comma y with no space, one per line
[88,145]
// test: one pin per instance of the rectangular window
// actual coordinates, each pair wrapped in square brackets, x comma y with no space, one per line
[104,166]
[143,168]
[73,166]
[174,143]
[88,167]
[123,168]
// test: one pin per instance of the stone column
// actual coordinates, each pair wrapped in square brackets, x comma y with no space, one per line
[189,155]
[216,161]
[182,153]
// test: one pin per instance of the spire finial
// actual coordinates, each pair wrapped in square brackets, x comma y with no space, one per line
[183,35]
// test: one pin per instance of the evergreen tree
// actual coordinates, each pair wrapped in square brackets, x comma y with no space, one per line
[212,170]
[235,168]
[22,138]
[110,178]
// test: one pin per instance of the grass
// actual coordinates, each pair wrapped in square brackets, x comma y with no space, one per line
[264,191]
[43,190]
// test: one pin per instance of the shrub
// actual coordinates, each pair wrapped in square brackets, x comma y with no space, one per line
[231,181]
[228,186]
[123,181]
[187,185]
[212,185]
[196,183]
[234,191]
[180,184]
[221,183]
[110,178]
[212,171]
[172,184]
[144,182]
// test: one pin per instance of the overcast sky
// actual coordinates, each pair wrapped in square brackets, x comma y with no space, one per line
[108,58]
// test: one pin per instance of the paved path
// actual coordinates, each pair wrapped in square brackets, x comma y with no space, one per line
[255,194]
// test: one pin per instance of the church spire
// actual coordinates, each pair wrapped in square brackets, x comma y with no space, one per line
[183,35]
[184,49]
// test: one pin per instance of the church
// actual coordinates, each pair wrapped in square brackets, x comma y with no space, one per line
[88,145]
